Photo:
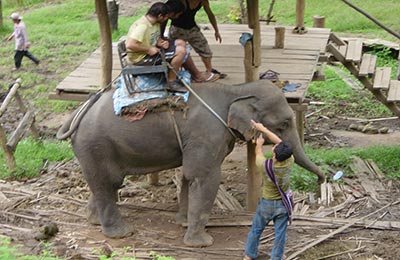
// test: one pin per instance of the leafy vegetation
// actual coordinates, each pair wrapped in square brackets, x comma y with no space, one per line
[386,157]
[31,155]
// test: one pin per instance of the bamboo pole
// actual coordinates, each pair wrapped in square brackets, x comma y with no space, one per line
[395,34]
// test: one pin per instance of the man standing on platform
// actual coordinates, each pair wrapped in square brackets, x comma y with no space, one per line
[185,27]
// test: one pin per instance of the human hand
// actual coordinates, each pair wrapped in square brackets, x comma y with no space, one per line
[258,126]
[260,140]
[218,37]
[163,44]
[153,51]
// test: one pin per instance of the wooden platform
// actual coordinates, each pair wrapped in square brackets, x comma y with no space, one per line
[295,63]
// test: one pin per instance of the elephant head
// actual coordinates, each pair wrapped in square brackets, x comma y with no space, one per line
[271,109]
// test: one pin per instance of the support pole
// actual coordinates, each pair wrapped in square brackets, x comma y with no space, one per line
[105,43]
[398,67]
[300,8]
[252,61]
[395,34]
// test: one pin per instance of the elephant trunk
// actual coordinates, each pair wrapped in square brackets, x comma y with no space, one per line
[302,159]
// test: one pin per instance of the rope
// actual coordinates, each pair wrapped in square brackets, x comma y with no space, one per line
[176,129]
[202,101]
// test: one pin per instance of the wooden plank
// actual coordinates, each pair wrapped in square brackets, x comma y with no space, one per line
[382,78]
[394,91]
[334,38]
[354,50]
[368,64]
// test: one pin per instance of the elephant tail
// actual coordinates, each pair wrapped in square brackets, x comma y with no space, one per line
[69,127]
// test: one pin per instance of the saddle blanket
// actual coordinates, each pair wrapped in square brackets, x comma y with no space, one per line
[152,87]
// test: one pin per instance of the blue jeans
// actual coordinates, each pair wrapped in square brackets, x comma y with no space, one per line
[268,210]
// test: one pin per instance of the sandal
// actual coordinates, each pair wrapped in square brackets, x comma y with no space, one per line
[221,75]
[213,77]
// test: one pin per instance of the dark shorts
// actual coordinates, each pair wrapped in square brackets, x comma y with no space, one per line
[149,60]
[194,37]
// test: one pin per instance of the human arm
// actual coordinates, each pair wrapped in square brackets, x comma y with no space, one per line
[268,133]
[259,143]
[136,46]
[9,38]
[212,19]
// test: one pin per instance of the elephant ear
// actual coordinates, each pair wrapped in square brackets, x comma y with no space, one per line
[241,111]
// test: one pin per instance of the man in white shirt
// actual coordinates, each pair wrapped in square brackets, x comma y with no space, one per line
[22,43]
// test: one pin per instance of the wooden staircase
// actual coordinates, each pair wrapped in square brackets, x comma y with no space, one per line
[363,66]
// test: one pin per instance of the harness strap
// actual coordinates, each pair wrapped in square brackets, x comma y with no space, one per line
[176,129]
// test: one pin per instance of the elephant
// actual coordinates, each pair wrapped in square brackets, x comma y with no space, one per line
[109,147]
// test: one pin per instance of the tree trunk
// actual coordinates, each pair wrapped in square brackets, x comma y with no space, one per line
[243,12]
[105,42]
[1,14]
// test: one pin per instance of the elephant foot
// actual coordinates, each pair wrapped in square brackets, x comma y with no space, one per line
[92,216]
[118,231]
[198,239]
[180,218]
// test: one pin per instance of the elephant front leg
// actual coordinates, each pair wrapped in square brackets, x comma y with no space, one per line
[202,193]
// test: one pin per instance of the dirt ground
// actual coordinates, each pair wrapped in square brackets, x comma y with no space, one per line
[31,209]
[58,198]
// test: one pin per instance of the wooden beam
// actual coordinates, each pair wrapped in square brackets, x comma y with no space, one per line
[105,43]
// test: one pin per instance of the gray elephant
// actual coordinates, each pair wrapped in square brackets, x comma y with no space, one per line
[109,147]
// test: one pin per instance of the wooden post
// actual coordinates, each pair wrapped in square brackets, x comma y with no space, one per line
[113,8]
[279,37]
[319,21]
[254,179]
[300,8]
[252,61]
[250,74]
[105,43]
[398,67]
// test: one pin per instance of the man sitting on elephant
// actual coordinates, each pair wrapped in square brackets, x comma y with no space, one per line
[144,43]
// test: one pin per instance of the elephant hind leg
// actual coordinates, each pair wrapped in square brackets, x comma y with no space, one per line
[181,216]
[102,207]
[91,212]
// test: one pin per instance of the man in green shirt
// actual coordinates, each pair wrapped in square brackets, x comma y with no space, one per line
[144,43]
[271,205]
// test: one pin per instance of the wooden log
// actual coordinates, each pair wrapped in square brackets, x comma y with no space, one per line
[319,21]
[9,96]
[8,154]
[339,230]
[279,37]
[25,123]
[22,107]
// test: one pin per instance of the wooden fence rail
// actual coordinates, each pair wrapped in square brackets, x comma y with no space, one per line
[27,121]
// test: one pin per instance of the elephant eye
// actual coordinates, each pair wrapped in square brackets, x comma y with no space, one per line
[284,125]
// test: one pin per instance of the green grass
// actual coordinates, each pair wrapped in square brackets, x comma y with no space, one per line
[31,154]
[386,158]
